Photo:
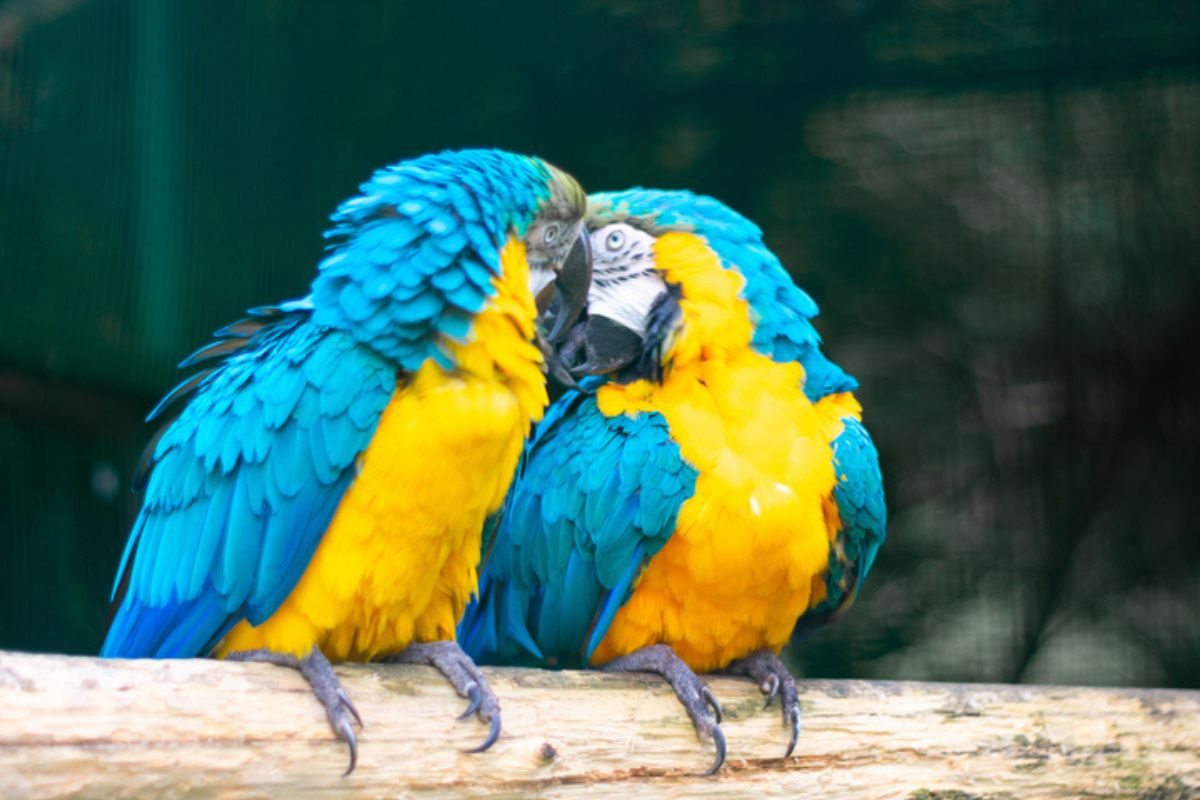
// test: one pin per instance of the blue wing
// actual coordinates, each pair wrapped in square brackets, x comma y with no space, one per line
[782,311]
[245,481]
[859,494]
[415,253]
[863,512]
[595,499]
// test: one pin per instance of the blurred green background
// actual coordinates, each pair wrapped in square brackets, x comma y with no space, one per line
[995,203]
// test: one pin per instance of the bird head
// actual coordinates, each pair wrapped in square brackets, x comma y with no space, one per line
[558,249]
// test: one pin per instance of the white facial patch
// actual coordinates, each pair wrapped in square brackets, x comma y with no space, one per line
[625,283]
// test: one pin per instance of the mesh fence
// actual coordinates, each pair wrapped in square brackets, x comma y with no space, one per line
[994,203]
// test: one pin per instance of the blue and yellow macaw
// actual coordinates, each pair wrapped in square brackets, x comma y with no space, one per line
[322,493]
[717,491]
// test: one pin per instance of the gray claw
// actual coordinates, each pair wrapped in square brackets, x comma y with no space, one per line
[770,688]
[774,679]
[689,689]
[347,732]
[718,737]
[794,719]
[711,699]
[345,698]
[493,735]
[326,687]
[475,698]
[450,660]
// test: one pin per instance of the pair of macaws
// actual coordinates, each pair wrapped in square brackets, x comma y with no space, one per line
[343,462]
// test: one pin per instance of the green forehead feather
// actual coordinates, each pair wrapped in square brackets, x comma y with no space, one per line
[567,198]
[654,212]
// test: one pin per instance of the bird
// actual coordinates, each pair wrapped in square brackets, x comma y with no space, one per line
[707,494]
[320,495]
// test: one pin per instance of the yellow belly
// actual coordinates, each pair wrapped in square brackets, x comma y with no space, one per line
[398,562]
[399,559]
[752,542]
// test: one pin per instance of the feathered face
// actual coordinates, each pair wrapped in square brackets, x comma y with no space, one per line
[625,283]
[557,247]
[632,312]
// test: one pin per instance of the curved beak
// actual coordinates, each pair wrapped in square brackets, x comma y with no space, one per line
[555,366]
[571,285]
[608,346]
[561,303]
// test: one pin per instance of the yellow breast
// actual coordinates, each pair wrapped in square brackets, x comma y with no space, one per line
[399,559]
[751,543]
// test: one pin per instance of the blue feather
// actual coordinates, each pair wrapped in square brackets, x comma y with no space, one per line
[607,491]
[233,573]
[569,536]
[417,307]
[782,311]
[354,302]
[614,599]
[221,538]
[246,479]
[859,495]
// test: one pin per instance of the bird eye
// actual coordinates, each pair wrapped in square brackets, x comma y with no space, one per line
[550,234]
[615,240]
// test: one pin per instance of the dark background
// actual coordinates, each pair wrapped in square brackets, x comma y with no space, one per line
[995,203]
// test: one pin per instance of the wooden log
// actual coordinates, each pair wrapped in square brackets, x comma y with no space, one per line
[84,727]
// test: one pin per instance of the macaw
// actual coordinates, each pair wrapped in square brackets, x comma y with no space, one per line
[714,493]
[321,496]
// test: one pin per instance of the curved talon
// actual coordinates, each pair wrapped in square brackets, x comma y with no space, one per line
[770,688]
[718,737]
[774,680]
[794,719]
[711,699]
[474,700]
[326,688]
[493,735]
[450,660]
[345,699]
[689,689]
[346,732]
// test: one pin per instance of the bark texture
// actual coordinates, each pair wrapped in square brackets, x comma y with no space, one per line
[83,727]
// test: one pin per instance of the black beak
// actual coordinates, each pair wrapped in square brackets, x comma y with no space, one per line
[608,347]
[562,302]
[571,285]
[555,366]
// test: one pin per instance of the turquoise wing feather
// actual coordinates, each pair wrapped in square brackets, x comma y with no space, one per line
[860,502]
[414,254]
[246,479]
[782,312]
[859,494]
[244,483]
[595,499]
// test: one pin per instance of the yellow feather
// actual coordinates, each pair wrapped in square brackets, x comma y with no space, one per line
[399,559]
[750,544]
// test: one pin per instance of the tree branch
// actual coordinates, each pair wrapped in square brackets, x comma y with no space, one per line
[98,729]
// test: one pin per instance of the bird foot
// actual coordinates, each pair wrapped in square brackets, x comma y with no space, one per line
[450,660]
[774,679]
[693,692]
[317,670]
